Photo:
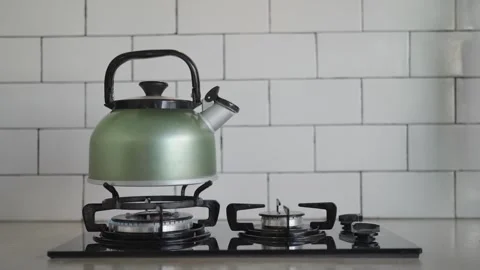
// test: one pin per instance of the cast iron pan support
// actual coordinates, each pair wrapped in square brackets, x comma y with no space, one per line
[145,203]
[331,209]
[233,208]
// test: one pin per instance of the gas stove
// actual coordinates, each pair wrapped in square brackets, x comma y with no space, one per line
[160,226]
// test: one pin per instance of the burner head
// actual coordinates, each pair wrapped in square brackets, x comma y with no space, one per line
[274,219]
[150,222]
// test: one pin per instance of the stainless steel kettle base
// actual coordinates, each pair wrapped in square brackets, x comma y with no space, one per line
[151,183]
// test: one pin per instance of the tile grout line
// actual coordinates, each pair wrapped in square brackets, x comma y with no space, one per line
[362,21]
[41,59]
[407,151]
[38,151]
[409,54]
[454,194]
[269,172]
[249,33]
[176,17]
[315,36]
[455,24]
[361,193]
[276,126]
[361,102]
[224,51]
[455,89]
[131,62]
[252,79]
[269,97]
[268,191]
[85,18]
[269,16]
[314,149]
[85,105]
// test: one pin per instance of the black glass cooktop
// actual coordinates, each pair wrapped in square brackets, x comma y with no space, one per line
[224,242]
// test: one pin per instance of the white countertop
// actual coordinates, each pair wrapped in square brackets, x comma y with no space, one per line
[447,244]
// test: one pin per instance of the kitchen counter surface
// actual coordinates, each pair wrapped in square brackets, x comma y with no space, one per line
[447,244]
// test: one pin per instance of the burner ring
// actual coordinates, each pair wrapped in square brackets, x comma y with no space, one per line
[273,219]
[151,222]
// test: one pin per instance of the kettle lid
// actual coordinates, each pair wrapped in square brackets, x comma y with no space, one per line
[153,98]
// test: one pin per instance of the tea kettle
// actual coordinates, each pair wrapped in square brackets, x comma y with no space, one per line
[155,140]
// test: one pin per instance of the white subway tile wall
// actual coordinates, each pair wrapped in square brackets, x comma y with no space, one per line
[357,148]
[403,101]
[42,18]
[445,54]
[371,104]
[83,58]
[268,149]
[222,16]
[117,17]
[328,102]
[444,147]
[21,59]
[270,56]
[316,15]
[64,151]
[468,194]
[400,194]
[468,101]
[19,151]
[409,15]
[362,54]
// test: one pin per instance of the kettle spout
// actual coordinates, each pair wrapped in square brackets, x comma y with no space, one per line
[220,112]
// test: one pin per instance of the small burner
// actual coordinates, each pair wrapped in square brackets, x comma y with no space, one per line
[278,218]
[281,228]
[150,222]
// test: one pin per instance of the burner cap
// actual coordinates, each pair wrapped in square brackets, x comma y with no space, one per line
[279,219]
[149,222]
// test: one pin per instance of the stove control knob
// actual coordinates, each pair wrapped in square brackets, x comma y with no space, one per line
[365,229]
[346,221]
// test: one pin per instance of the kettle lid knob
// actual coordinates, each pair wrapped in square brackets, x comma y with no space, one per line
[153,88]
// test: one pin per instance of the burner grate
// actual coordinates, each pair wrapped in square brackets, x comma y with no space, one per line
[153,241]
[156,203]
[285,236]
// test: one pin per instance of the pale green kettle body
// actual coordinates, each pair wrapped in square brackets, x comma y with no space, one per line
[154,140]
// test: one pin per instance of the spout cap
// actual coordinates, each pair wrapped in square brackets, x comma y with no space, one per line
[212,95]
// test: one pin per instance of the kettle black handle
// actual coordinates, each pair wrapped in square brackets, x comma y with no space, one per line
[122,58]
